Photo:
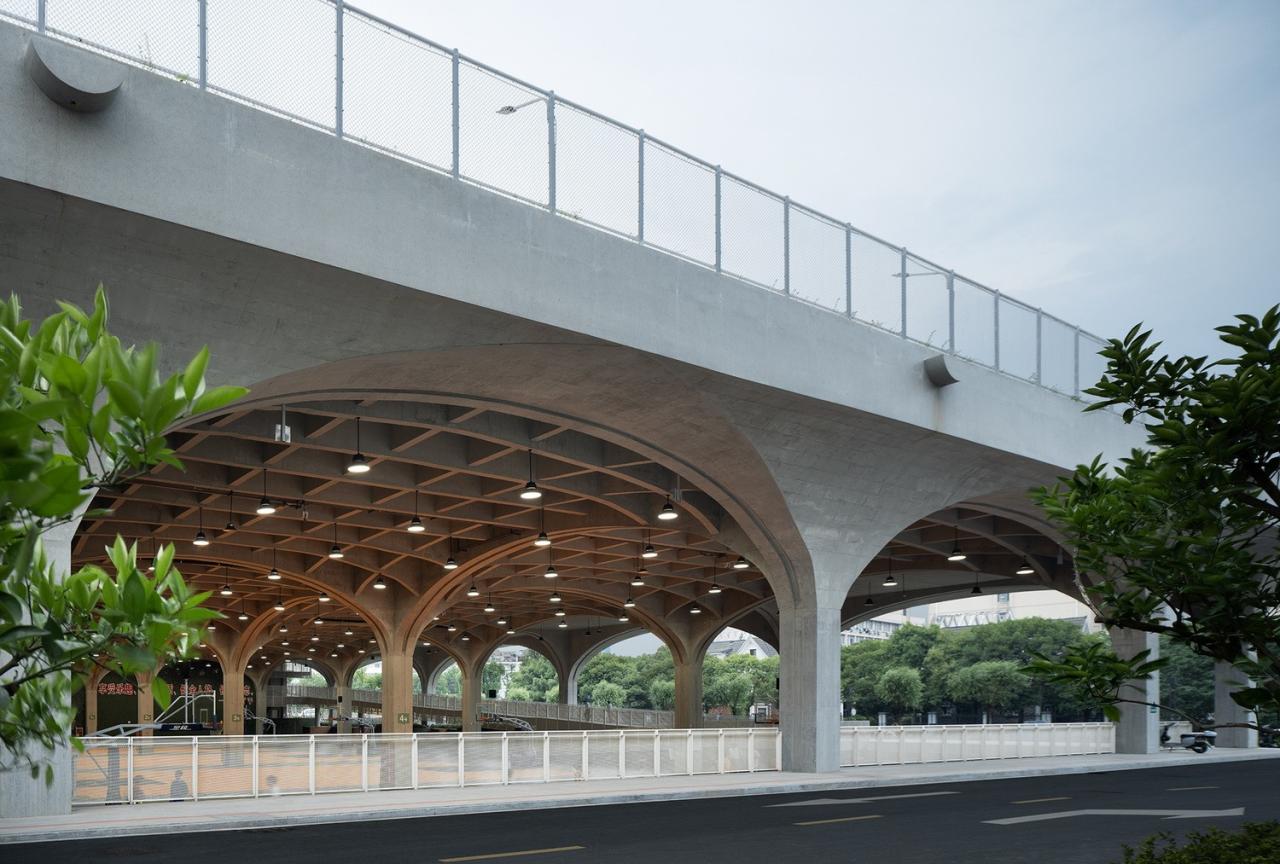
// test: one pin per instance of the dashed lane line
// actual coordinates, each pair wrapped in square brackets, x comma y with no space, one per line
[842,819]
[1041,800]
[1188,788]
[491,855]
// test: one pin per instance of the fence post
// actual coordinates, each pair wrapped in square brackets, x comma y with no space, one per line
[848,270]
[40,18]
[462,771]
[457,147]
[719,233]
[902,290]
[337,78]
[195,768]
[777,750]
[1075,364]
[1039,348]
[640,190]
[786,245]
[657,754]
[546,757]
[364,761]
[311,764]
[622,753]
[255,766]
[996,340]
[688,752]
[129,754]
[551,150]
[951,311]
[586,773]
[720,750]
[204,43]
[751,751]
[506,761]
[413,758]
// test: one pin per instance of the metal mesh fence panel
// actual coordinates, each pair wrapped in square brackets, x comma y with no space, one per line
[524,757]
[928,306]
[673,750]
[154,34]
[21,11]
[602,755]
[566,756]
[390,761]
[848,746]
[704,751]
[283,765]
[277,56]
[101,771]
[502,134]
[817,260]
[397,93]
[437,760]
[766,750]
[1092,366]
[975,323]
[339,763]
[597,171]
[751,234]
[1017,339]
[157,764]
[482,758]
[639,754]
[226,767]
[876,287]
[931,748]
[679,204]
[1057,357]
[737,743]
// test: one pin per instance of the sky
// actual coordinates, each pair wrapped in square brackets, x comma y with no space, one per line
[1112,162]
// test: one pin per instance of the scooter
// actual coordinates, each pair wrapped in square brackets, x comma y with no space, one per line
[1200,742]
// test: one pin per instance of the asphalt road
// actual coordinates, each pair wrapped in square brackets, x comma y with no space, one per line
[953,823]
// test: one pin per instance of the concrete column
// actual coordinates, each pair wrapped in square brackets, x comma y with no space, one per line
[397,691]
[568,695]
[1226,680]
[471,684]
[809,666]
[1139,728]
[688,708]
[232,702]
[342,694]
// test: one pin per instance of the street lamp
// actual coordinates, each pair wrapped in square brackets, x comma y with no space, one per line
[507,110]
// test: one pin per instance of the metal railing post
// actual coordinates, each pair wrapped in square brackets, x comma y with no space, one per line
[413,759]
[195,768]
[657,754]
[203,60]
[951,311]
[751,751]
[129,766]
[1039,348]
[688,752]
[902,278]
[457,145]
[786,245]
[364,762]
[311,764]
[255,766]
[1075,363]
[720,750]
[551,150]
[40,19]
[546,757]
[640,188]
[506,761]
[848,270]
[719,234]
[996,340]
[622,753]
[586,753]
[337,78]
[462,771]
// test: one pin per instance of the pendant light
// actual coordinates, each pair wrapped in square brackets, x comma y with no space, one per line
[488,606]
[466,637]
[452,628]
[265,507]
[560,613]
[531,492]
[696,610]
[715,586]
[279,607]
[542,539]
[956,553]
[358,464]
[274,574]
[511,631]
[637,581]
[890,580]
[243,616]
[324,597]
[740,564]
[200,539]
[415,524]
[473,591]
[225,590]
[648,551]
[630,603]
[379,584]
[555,597]
[231,502]
[335,551]
[624,618]
[1026,569]
[551,571]
[502,620]
[563,625]
[451,563]
[668,512]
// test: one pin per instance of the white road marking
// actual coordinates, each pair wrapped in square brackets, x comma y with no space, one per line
[841,819]
[815,802]
[1041,800]
[1167,814]
[493,855]
[1188,788]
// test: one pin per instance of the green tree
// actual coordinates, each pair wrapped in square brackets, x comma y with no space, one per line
[995,685]
[490,678]
[1180,537]
[537,676]
[1186,681]
[80,411]
[449,681]
[607,694]
[900,689]
[363,679]
[662,694]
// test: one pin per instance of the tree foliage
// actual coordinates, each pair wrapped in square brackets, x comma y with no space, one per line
[900,689]
[80,410]
[1180,538]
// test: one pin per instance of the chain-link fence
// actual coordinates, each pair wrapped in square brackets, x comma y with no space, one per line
[115,770]
[345,71]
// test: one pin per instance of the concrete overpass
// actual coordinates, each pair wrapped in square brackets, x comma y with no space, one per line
[466,340]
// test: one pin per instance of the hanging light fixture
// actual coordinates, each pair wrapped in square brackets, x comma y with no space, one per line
[450,563]
[231,522]
[274,574]
[956,553]
[284,628]
[1026,569]
[348,632]
[279,607]
[358,464]
[502,620]
[335,551]
[473,591]
[668,512]
[488,606]
[225,590]
[648,551]
[243,616]
[324,597]
[563,625]
[466,637]
[977,589]
[740,564]
[630,603]
[869,601]
[531,492]
[624,618]
[555,597]
[415,524]
[452,628]
[511,631]
[265,507]
[200,539]
[560,613]
[551,572]
[379,584]
[637,581]
[715,588]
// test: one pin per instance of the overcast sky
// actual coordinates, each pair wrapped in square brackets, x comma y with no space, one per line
[1110,161]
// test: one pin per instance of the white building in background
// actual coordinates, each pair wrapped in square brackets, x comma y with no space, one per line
[733,642]
[976,610]
[508,657]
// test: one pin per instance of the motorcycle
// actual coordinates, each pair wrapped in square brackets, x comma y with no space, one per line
[1198,741]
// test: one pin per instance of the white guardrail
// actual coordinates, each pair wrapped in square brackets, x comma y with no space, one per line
[338,69]
[905,745]
[253,766]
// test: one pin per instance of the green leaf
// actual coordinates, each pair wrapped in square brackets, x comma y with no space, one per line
[160,692]
[193,378]
[217,397]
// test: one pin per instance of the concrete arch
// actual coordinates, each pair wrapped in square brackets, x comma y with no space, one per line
[571,683]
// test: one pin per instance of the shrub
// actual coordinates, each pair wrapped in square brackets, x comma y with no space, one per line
[1255,843]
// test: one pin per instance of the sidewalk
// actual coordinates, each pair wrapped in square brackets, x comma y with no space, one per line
[231,814]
